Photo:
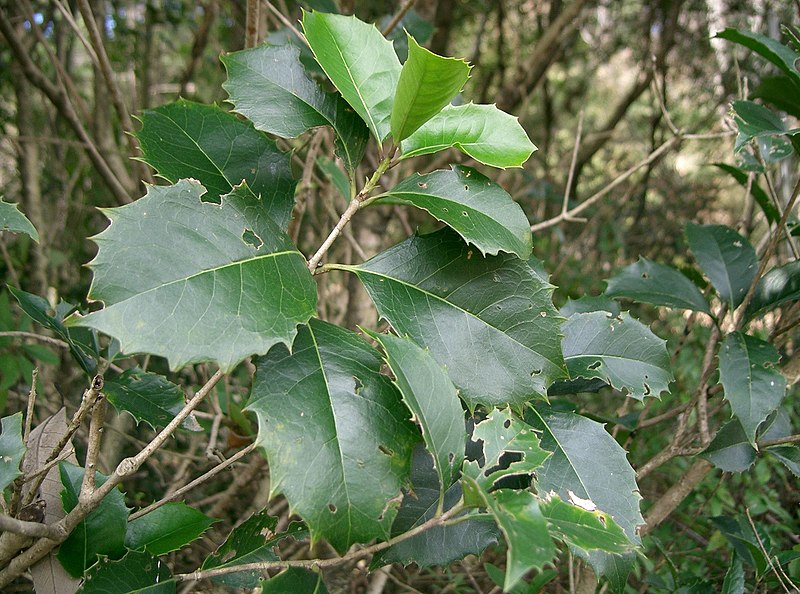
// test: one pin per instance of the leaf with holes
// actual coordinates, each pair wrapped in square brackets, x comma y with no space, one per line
[191,140]
[779,285]
[649,282]
[327,404]
[584,527]
[756,122]
[195,281]
[753,386]
[13,221]
[618,350]
[490,320]
[12,449]
[167,528]
[269,86]
[483,132]
[360,62]
[477,208]
[136,573]
[432,399]
[427,83]
[727,258]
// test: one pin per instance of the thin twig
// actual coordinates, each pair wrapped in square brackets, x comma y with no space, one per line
[31,335]
[33,529]
[765,443]
[286,22]
[398,17]
[764,551]
[29,408]
[93,447]
[251,24]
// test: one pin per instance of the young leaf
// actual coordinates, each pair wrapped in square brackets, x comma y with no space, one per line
[194,281]
[427,83]
[295,580]
[360,62]
[618,350]
[11,449]
[269,86]
[443,544]
[327,404]
[780,55]
[589,529]
[649,282]
[166,529]
[191,140]
[730,450]
[251,542]
[752,385]
[136,573]
[103,530]
[147,397]
[727,258]
[483,132]
[490,320]
[431,397]
[590,464]
[11,219]
[779,285]
[477,208]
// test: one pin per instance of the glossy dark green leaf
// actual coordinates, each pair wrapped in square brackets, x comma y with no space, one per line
[727,258]
[587,528]
[618,350]
[734,578]
[588,304]
[427,83]
[730,450]
[296,581]
[327,404]
[763,199]
[432,399]
[483,132]
[191,140]
[756,121]
[136,573]
[270,86]
[12,220]
[587,463]
[490,320]
[738,532]
[753,386]
[614,569]
[147,397]
[252,541]
[779,285]
[781,92]
[649,282]
[82,344]
[773,50]
[360,62]
[469,202]
[194,281]
[166,529]
[440,545]
[103,530]
[12,449]
[789,456]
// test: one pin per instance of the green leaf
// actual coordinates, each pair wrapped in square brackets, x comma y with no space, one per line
[102,532]
[167,528]
[727,258]
[194,281]
[427,84]
[483,132]
[251,542]
[615,569]
[590,464]
[588,304]
[490,320]
[587,528]
[756,121]
[327,404]
[730,450]
[501,433]
[477,208]
[788,455]
[734,578]
[135,573]
[147,397]
[11,219]
[618,350]
[753,387]
[649,282]
[781,92]
[763,199]
[360,62]
[739,533]
[296,581]
[12,449]
[270,86]
[432,399]
[779,285]
[82,343]
[780,55]
[191,140]
[439,545]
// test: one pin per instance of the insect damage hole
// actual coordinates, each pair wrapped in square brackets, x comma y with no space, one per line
[595,365]
[251,238]
[332,508]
